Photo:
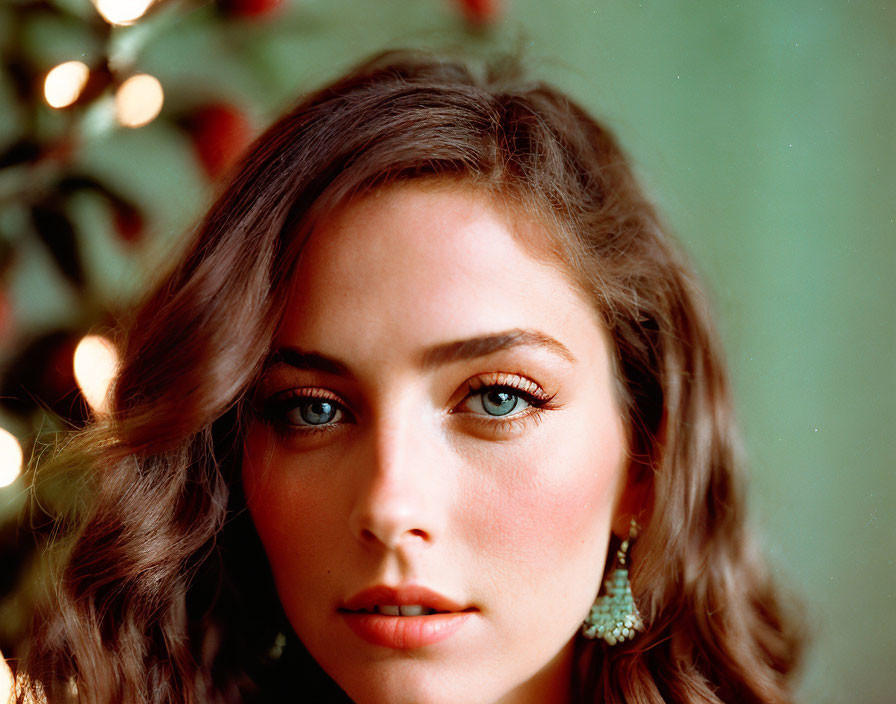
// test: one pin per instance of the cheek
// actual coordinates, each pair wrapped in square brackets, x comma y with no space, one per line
[284,511]
[556,502]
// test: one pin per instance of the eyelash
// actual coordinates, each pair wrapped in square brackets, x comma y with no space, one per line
[537,399]
[275,408]
[274,411]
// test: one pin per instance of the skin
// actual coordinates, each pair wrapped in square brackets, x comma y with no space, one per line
[414,482]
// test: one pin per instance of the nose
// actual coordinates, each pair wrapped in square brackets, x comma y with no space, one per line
[400,496]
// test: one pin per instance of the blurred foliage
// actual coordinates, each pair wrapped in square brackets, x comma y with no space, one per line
[44,182]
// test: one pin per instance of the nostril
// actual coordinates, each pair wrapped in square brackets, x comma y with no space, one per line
[392,539]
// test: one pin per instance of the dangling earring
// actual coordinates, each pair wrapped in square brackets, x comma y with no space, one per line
[614,616]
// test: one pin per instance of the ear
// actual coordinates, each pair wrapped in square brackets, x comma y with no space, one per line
[635,498]
[636,494]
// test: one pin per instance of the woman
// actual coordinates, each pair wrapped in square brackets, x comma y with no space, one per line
[435,340]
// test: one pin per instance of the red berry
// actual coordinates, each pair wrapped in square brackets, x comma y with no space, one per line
[221,134]
[129,224]
[249,8]
[481,12]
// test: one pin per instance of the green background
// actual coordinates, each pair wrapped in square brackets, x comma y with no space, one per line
[765,131]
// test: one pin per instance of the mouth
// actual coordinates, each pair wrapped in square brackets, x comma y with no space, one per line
[403,617]
[403,600]
[397,610]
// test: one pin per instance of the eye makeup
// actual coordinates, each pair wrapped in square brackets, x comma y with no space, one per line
[305,411]
[497,401]
[490,388]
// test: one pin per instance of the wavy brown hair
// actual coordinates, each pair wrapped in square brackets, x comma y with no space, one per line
[161,592]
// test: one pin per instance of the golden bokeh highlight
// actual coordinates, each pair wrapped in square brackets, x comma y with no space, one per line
[96,362]
[65,82]
[10,458]
[138,100]
[122,11]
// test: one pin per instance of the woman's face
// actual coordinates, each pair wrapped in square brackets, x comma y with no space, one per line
[440,432]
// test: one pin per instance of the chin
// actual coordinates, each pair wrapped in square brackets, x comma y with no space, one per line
[411,682]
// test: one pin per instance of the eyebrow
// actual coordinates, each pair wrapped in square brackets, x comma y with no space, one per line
[300,359]
[475,347]
[438,355]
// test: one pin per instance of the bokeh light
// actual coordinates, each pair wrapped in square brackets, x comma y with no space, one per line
[138,100]
[122,11]
[10,458]
[96,361]
[65,82]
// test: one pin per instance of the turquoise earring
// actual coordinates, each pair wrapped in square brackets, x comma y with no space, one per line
[614,616]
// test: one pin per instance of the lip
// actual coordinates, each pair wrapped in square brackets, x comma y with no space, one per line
[401,596]
[404,632]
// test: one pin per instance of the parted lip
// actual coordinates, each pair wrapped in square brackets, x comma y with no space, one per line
[400,596]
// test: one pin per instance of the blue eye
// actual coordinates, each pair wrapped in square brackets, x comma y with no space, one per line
[300,412]
[315,411]
[499,402]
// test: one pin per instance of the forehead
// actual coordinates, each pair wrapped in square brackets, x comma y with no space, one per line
[445,205]
[422,263]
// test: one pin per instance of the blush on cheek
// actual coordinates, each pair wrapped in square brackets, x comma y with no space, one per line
[274,500]
[286,516]
[291,526]
[556,504]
